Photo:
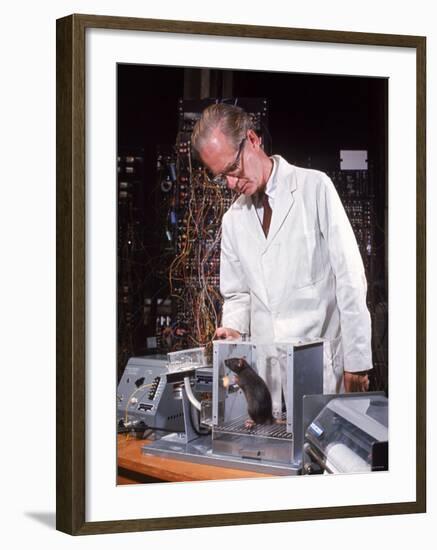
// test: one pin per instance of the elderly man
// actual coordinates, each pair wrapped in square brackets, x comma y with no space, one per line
[290,265]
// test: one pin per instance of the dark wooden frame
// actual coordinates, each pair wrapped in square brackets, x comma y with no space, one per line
[70,297]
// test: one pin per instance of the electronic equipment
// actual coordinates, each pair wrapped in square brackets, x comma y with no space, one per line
[131,256]
[346,433]
[149,396]
[199,413]
[275,448]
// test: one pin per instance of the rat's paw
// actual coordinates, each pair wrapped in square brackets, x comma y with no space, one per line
[249,424]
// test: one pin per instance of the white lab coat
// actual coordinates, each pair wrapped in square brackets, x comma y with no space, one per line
[305,280]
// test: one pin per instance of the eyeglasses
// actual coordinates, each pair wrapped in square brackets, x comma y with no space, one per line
[220,179]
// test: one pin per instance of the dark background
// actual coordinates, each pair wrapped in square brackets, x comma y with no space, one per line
[309,115]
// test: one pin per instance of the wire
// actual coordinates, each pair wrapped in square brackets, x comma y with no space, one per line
[193,274]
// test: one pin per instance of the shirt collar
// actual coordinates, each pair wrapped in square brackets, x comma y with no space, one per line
[272,182]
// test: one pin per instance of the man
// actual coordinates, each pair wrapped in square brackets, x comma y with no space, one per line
[290,265]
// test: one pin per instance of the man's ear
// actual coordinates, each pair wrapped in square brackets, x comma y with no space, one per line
[253,139]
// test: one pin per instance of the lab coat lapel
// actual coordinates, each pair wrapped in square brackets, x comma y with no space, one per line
[253,222]
[284,199]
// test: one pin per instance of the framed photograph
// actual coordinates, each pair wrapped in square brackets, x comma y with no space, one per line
[134,223]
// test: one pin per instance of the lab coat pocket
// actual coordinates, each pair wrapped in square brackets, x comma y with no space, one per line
[308,265]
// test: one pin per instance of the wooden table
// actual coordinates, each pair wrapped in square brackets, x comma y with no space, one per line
[136,467]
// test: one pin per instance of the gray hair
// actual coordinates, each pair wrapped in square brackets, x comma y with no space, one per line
[233,121]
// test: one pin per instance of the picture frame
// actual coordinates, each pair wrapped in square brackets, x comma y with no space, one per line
[72,297]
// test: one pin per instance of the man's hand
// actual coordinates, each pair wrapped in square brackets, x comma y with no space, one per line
[223,333]
[356,381]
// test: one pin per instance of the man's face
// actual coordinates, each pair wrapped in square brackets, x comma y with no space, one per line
[242,167]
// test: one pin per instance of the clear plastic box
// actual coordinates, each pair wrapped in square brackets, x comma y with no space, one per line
[186,359]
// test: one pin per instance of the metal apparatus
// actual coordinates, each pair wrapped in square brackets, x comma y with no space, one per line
[275,448]
[151,395]
[280,442]
[346,434]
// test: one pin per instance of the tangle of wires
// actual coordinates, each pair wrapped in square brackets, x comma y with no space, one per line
[194,273]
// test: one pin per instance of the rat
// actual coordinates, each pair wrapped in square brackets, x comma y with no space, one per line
[256,392]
